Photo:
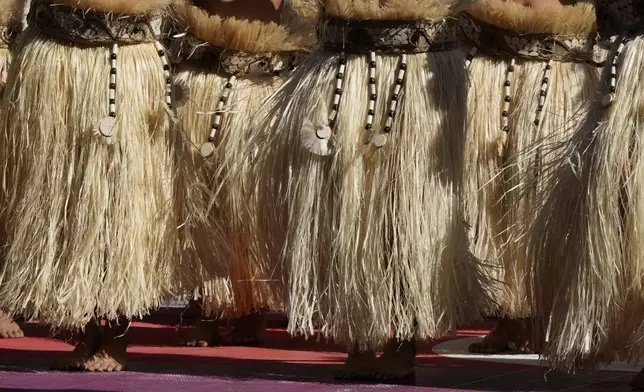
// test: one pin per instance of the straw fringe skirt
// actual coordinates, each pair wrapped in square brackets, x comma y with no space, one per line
[374,240]
[508,172]
[588,262]
[221,196]
[90,227]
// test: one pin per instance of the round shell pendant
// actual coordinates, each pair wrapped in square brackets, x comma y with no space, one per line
[380,140]
[107,127]
[608,99]
[207,149]
[323,132]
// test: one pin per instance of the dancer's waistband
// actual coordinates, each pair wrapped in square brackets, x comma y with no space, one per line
[539,47]
[93,28]
[230,62]
[388,36]
[8,34]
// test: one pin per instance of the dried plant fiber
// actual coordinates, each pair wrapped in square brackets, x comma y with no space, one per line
[505,172]
[373,240]
[224,203]
[90,227]
[586,253]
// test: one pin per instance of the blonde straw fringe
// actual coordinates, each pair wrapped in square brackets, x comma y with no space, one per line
[223,203]
[11,10]
[588,261]
[577,20]
[506,173]
[120,6]
[90,227]
[237,34]
[374,240]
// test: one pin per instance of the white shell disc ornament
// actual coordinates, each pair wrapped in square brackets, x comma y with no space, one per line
[207,149]
[316,138]
[379,140]
[107,127]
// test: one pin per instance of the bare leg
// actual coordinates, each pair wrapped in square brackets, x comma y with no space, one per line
[111,356]
[250,329]
[89,342]
[8,328]
[398,361]
[205,334]
[507,335]
[262,10]
[359,366]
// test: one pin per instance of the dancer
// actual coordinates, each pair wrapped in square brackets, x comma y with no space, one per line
[10,26]
[585,248]
[532,69]
[359,166]
[232,59]
[88,162]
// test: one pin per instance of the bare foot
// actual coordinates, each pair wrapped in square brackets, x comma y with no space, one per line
[397,362]
[89,343]
[205,334]
[507,335]
[638,382]
[8,328]
[359,366]
[249,330]
[111,356]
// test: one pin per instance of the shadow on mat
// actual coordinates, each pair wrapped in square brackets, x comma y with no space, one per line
[457,378]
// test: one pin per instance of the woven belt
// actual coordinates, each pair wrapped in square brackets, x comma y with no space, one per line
[388,36]
[93,28]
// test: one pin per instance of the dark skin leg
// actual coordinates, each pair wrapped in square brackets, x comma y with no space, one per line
[205,334]
[90,340]
[507,335]
[249,330]
[111,356]
[359,366]
[397,362]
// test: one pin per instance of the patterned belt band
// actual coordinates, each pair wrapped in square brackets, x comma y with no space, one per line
[620,17]
[230,62]
[541,47]
[8,33]
[388,36]
[93,28]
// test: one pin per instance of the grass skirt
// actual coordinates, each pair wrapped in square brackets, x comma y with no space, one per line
[588,262]
[90,227]
[225,204]
[507,173]
[374,240]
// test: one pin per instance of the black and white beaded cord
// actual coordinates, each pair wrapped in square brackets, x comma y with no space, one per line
[608,98]
[543,93]
[339,85]
[208,148]
[381,139]
[507,99]
[107,126]
[373,96]
[166,72]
